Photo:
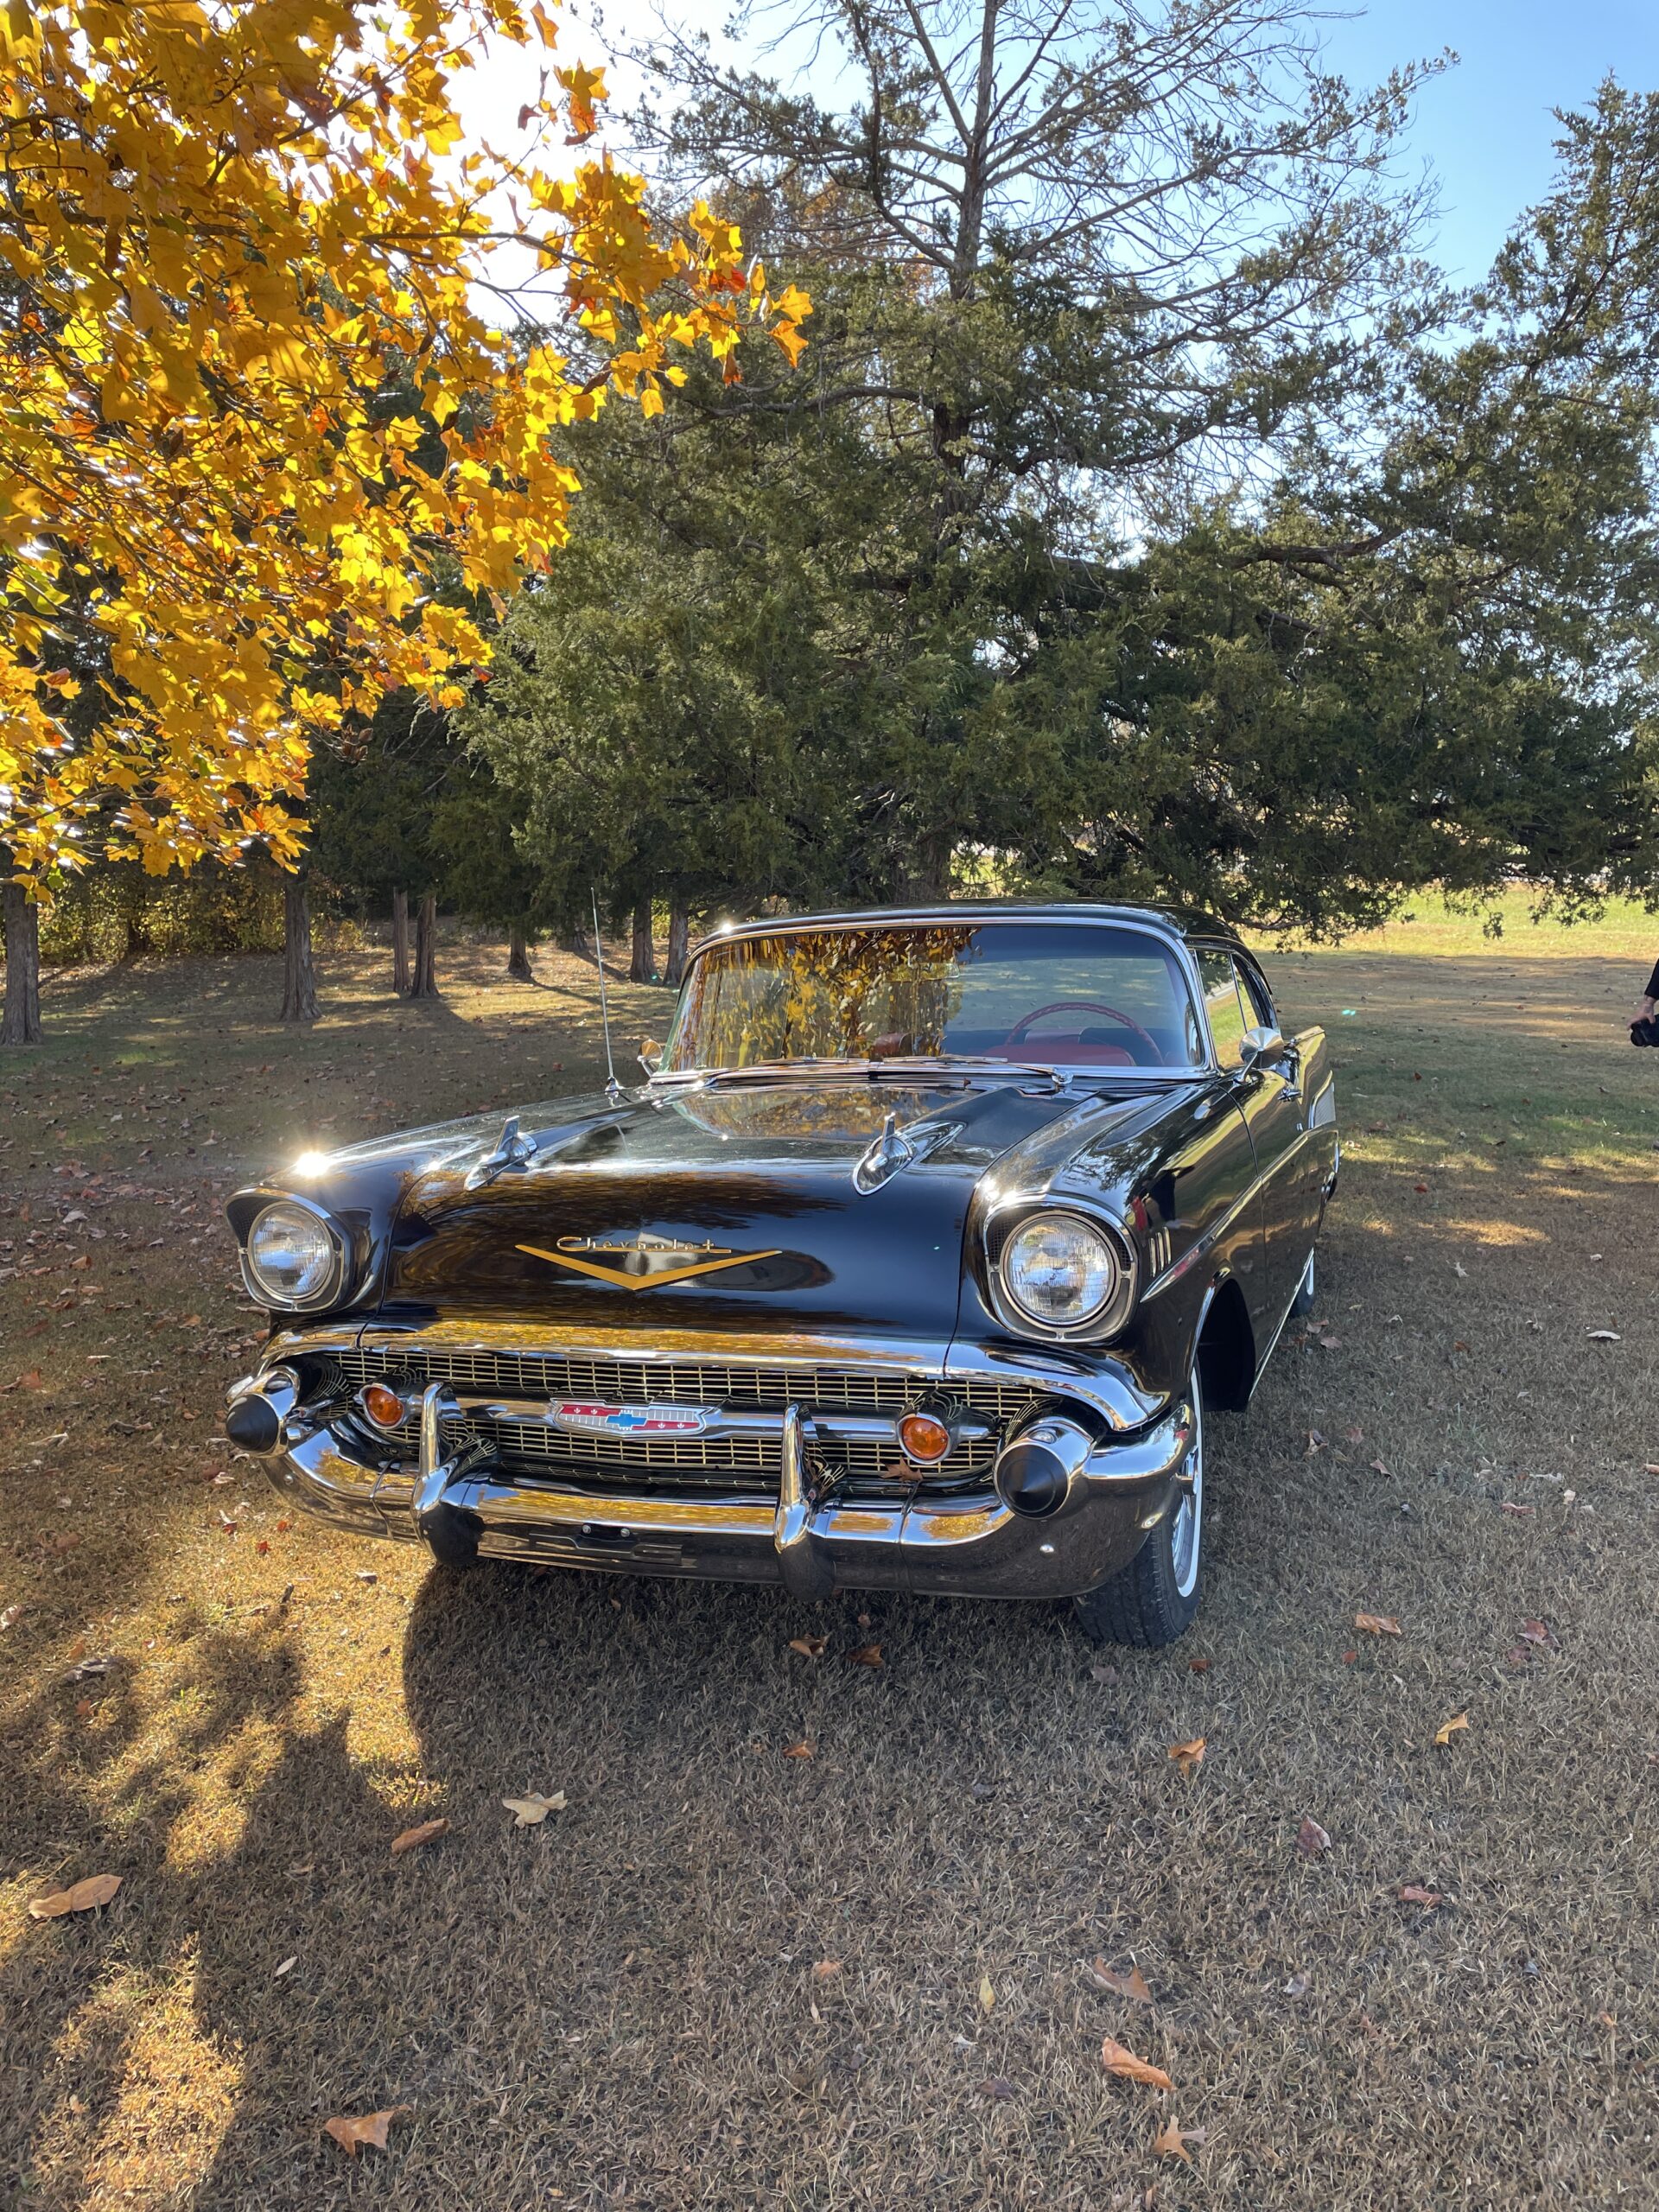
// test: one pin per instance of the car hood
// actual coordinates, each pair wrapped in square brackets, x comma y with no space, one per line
[732,1208]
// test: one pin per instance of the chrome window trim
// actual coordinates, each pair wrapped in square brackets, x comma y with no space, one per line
[334,1288]
[1173,940]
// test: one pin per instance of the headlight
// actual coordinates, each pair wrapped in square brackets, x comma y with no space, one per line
[292,1256]
[1059,1269]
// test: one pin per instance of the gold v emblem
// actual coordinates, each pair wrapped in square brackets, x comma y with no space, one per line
[626,1282]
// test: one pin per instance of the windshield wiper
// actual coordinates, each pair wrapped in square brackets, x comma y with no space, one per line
[908,1067]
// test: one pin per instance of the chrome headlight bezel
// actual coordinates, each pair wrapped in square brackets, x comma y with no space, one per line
[1103,1320]
[329,1286]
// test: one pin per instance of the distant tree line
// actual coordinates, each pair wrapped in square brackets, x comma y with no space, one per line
[1147,518]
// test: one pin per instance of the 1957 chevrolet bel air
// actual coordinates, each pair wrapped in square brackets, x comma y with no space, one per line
[912,1263]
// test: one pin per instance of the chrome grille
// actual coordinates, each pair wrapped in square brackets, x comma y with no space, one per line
[738,1462]
[700,1383]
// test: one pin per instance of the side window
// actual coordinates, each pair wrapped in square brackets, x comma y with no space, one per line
[1223,1007]
[1257,1005]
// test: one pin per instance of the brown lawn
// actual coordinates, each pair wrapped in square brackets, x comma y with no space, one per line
[724,1977]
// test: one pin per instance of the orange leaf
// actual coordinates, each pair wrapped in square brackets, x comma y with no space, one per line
[1414,1893]
[1124,2064]
[29,1380]
[1535,1631]
[1377,1624]
[1448,1729]
[1168,2145]
[1132,1984]
[1188,1757]
[81,1896]
[810,1647]
[412,1839]
[868,1655]
[826,1969]
[801,1750]
[370,2127]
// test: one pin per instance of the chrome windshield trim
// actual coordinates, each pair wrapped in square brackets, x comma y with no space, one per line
[1167,934]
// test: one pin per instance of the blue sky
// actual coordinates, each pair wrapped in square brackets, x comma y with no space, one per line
[1486,126]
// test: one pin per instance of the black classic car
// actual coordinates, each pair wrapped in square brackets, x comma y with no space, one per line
[912,1263]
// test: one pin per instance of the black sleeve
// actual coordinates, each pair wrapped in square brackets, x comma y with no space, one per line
[1652,991]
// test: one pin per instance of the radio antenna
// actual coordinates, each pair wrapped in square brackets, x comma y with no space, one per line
[613,1088]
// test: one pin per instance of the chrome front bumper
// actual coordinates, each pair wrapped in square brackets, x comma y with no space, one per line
[945,1544]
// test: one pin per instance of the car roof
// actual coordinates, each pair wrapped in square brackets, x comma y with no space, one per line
[1180,921]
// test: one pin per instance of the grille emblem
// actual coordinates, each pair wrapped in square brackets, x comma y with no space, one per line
[596,1417]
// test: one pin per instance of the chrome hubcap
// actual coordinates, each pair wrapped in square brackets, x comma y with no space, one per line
[1186,1530]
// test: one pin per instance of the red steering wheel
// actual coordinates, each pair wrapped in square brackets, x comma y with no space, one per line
[1083,1005]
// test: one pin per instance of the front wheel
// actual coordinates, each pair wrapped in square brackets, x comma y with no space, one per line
[1154,1599]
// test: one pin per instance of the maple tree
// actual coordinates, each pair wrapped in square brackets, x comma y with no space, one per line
[264,455]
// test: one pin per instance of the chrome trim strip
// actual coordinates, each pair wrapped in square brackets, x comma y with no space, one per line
[1217,1228]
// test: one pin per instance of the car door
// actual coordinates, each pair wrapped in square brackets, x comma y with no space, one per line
[1270,1101]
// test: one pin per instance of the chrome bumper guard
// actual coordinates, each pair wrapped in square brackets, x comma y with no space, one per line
[463,1508]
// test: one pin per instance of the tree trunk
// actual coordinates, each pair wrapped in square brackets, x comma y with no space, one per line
[299,977]
[518,965]
[400,943]
[679,938]
[20,1023]
[642,968]
[139,943]
[574,943]
[425,982]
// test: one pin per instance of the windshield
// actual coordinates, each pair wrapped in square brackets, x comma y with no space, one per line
[1060,993]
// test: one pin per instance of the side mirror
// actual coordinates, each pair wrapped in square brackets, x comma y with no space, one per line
[649,1054]
[1262,1044]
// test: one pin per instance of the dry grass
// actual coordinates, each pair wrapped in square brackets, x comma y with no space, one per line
[619,2008]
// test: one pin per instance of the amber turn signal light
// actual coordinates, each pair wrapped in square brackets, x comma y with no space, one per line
[925,1437]
[383,1406]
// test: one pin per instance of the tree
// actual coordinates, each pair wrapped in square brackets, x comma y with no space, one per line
[229,230]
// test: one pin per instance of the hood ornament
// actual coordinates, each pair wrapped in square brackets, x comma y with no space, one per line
[510,1151]
[888,1155]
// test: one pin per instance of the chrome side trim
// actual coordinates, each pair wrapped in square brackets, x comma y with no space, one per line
[1207,1241]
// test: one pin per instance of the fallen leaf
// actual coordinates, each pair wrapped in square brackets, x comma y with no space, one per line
[371,2128]
[1604,1336]
[1332,1343]
[1310,1838]
[1458,1344]
[1198,1665]
[999,2089]
[1414,1893]
[1297,1986]
[287,1967]
[1517,1657]
[81,1896]
[29,1381]
[868,1655]
[1377,1624]
[1124,2064]
[1168,2145]
[810,1647]
[826,1969]
[801,1750]
[1521,1512]
[986,1994]
[529,1812]
[412,1839]
[1378,1468]
[10,1617]
[1445,1733]
[1189,1757]
[1132,1984]
[1535,1631]
[1109,1674]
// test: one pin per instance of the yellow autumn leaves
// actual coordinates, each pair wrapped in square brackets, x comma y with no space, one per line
[249,404]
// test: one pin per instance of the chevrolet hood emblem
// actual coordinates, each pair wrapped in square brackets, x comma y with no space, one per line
[683,1261]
